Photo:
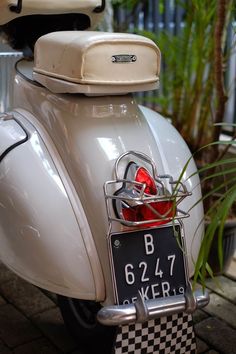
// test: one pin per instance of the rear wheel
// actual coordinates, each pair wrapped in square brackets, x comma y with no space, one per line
[80,319]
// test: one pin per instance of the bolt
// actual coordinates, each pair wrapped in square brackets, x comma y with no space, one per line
[117,243]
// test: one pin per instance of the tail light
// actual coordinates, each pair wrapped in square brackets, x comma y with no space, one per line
[130,208]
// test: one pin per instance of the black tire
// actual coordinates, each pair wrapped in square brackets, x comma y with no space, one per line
[80,319]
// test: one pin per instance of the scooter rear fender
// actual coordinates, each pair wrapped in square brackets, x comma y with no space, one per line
[40,237]
[82,138]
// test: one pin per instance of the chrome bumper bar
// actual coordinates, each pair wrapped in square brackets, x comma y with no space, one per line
[142,311]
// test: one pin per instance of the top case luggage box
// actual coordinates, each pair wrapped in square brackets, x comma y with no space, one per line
[96,62]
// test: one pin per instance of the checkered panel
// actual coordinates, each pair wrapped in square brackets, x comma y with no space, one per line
[165,335]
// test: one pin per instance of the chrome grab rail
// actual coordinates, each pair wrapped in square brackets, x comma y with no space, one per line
[142,311]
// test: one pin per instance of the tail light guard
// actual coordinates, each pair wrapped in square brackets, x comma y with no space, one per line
[147,207]
[133,193]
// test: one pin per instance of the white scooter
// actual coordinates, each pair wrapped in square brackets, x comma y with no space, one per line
[92,206]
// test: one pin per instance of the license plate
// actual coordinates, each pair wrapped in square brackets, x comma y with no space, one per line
[148,261]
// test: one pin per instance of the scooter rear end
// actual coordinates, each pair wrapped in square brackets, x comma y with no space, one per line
[96,197]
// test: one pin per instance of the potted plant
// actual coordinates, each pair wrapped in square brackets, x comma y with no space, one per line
[197,58]
[193,95]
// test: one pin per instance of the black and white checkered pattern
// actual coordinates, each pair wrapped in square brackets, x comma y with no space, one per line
[165,335]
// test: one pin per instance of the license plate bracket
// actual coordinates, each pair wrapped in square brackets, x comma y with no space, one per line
[151,261]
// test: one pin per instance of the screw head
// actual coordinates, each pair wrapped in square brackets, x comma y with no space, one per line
[117,244]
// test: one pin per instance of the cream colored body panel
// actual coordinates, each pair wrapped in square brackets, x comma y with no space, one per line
[84,137]
[11,134]
[89,134]
[41,239]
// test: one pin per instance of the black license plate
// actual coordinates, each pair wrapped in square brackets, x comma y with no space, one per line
[150,261]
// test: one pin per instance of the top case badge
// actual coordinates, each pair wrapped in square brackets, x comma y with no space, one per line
[124,58]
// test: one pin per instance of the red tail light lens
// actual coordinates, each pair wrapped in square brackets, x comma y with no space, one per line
[143,176]
[162,210]
[142,212]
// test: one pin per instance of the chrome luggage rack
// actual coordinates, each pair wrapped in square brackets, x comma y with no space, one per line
[169,190]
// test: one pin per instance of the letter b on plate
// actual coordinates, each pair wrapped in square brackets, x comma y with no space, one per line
[148,242]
